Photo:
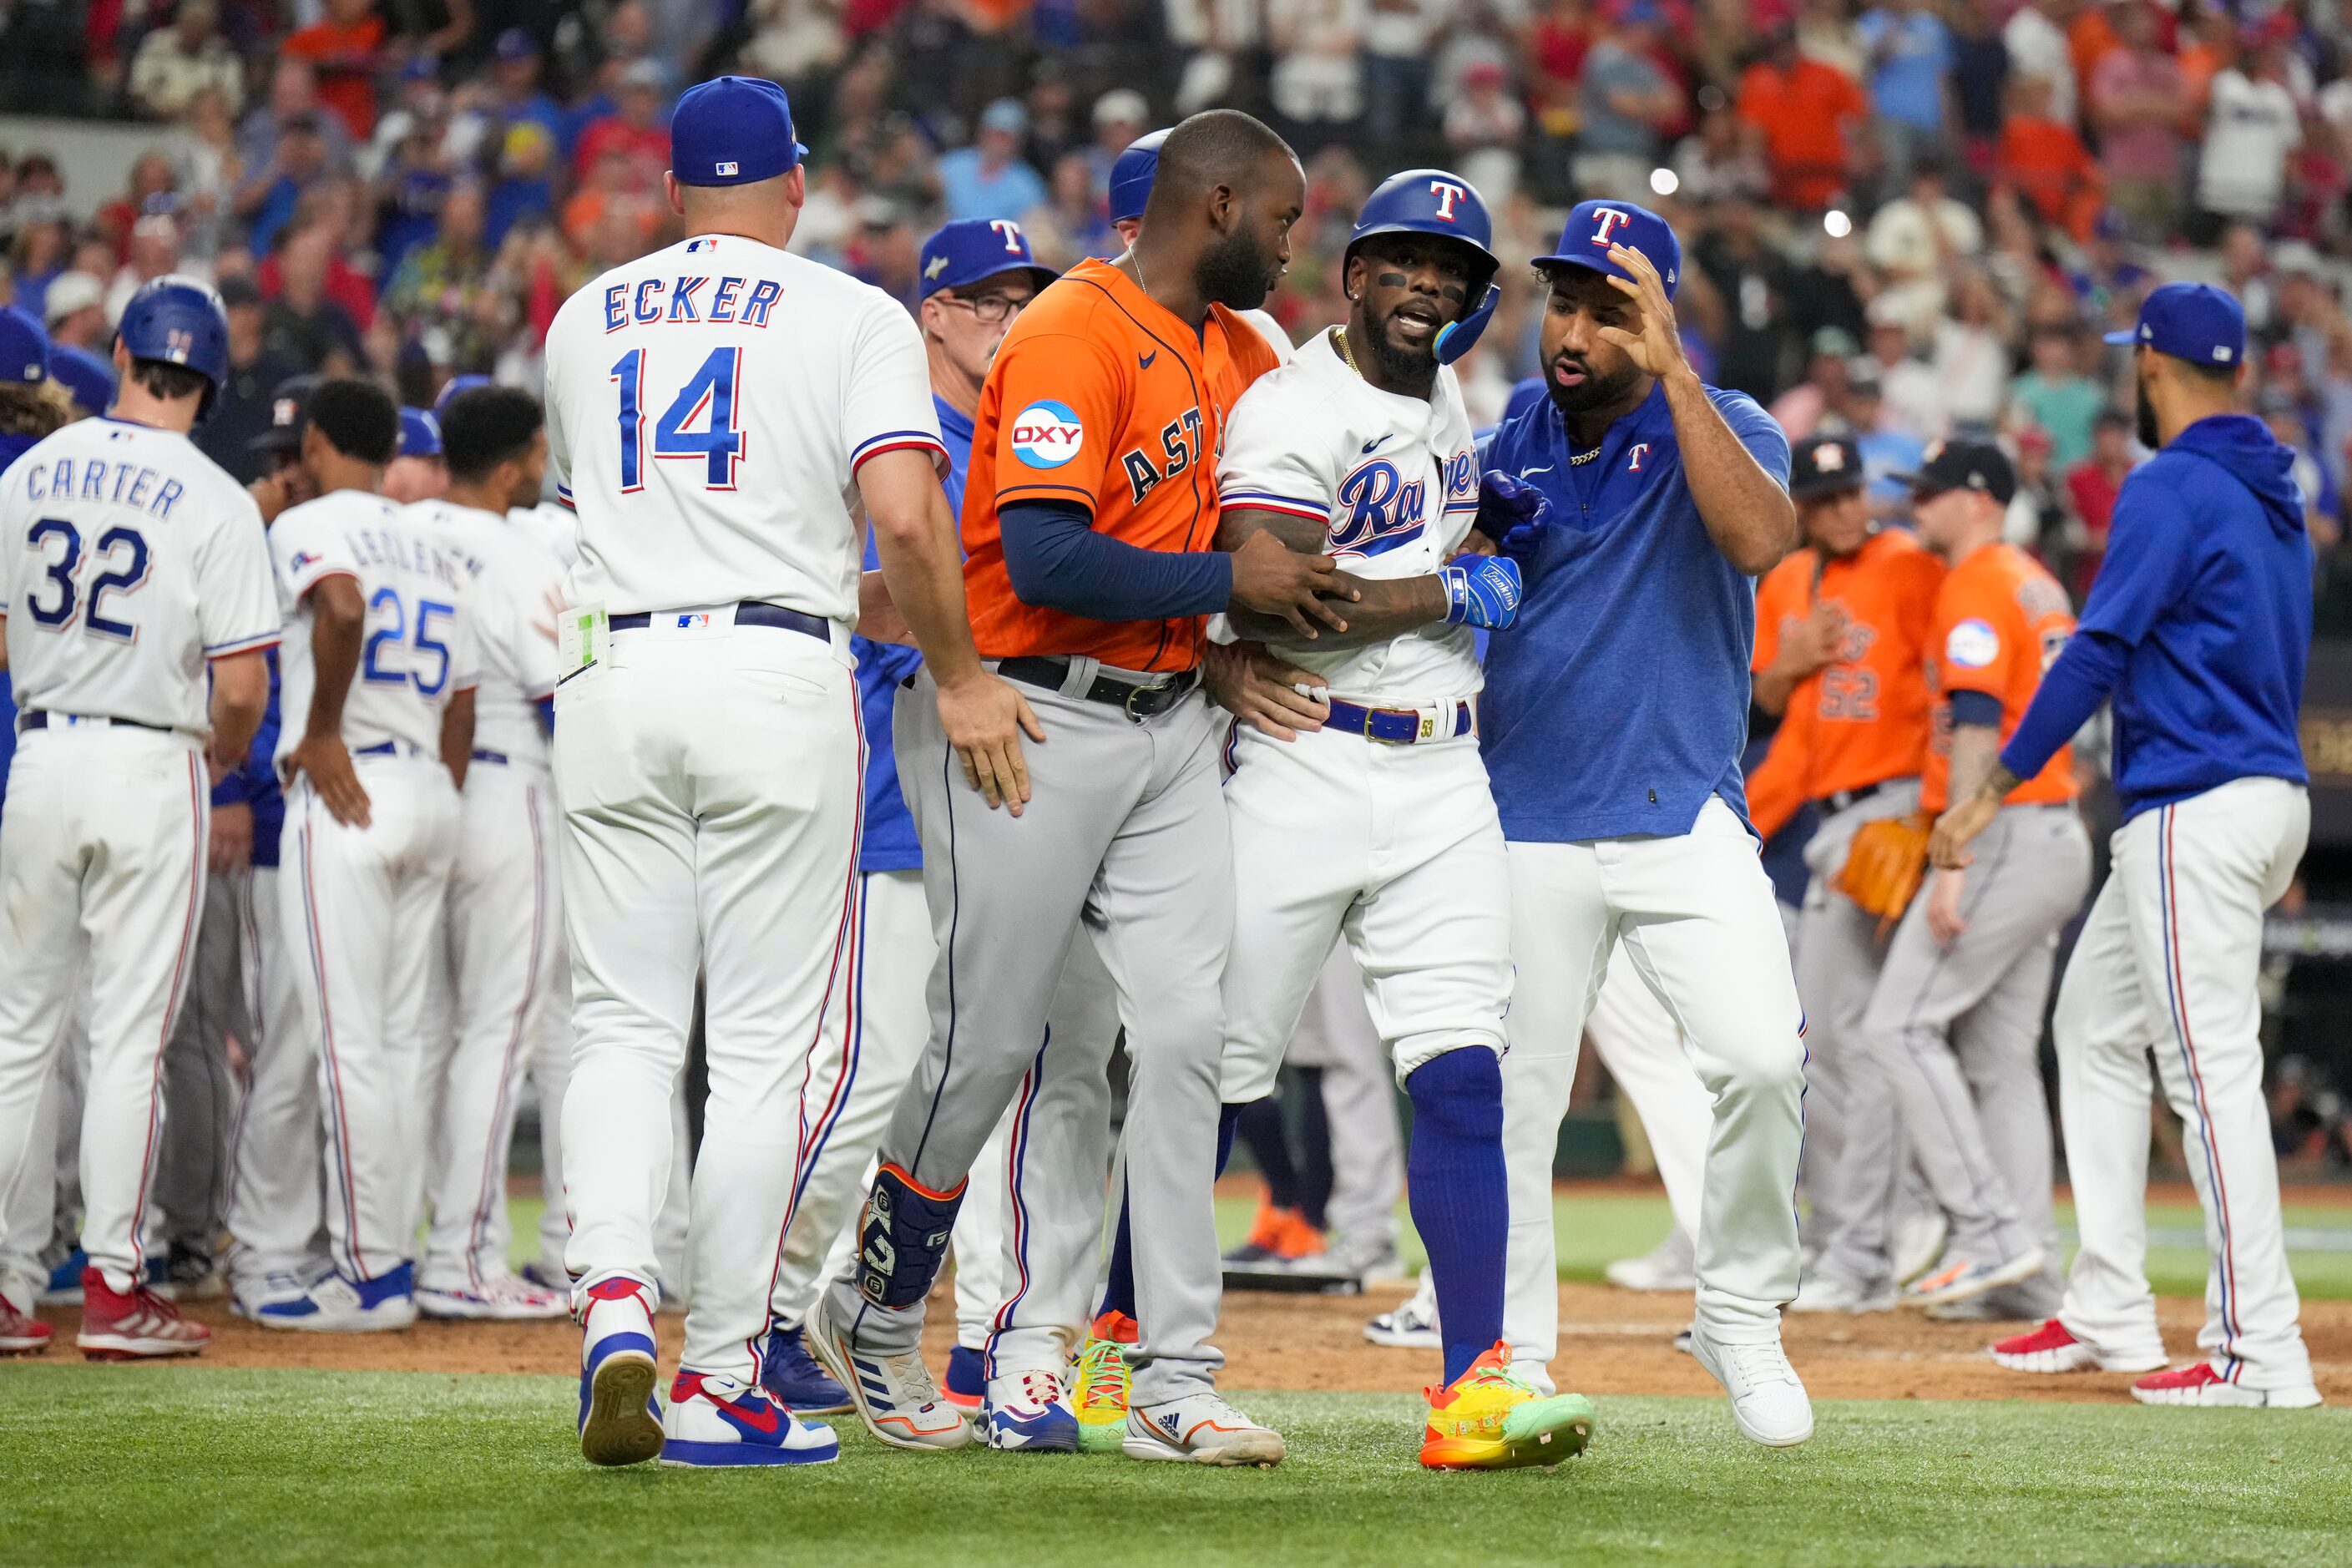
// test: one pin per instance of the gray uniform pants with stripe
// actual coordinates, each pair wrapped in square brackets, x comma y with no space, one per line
[1959,1031]
[1126,830]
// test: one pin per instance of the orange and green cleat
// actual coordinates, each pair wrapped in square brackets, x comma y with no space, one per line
[1100,1400]
[1490,1419]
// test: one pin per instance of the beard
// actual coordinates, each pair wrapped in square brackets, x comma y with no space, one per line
[2144,413]
[1595,392]
[1403,368]
[1236,274]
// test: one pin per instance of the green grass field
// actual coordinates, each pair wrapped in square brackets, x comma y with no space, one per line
[146,1465]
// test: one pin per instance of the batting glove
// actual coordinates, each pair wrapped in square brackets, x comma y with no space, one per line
[1482,593]
[1513,513]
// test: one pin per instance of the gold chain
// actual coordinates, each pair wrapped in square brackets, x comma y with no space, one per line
[1340,342]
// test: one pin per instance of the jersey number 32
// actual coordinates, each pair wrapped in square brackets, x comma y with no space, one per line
[124,551]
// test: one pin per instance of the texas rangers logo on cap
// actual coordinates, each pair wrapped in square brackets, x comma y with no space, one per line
[1047,434]
[1447,193]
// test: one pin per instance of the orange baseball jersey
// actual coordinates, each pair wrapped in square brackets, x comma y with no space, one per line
[1101,397]
[2001,619]
[1862,719]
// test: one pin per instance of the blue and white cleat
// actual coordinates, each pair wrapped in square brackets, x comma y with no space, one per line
[715,1421]
[619,1422]
[1029,1411]
[337,1305]
[894,1394]
[1965,1279]
[793,1378]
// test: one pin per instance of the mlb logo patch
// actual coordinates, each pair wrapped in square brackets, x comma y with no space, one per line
[693,623]
[727,170]
[301,558]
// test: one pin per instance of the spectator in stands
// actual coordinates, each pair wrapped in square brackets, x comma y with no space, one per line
[1074,225]
[293,101]
[2038,51]
[73,308]
[2139,102]
[2057,398]
[1718,162]
[1800,410]
[1910,58]
[2044,158]
[304,324]
[444,286]
[1318,81]
[1980,76]
[148,190]
[1807,113]
[175,63]
[885,252]
[525,191]
[988,178]
[514,79]
[1751,276]
[2037,514]
[342,47]
[268,199]
[1914,241]
[2252,126]
[1971,354]
[636,126]
[1911,395]
[326,209]
[1119,117]
[154,250]
[1483,129]
[1399,36]
[2092,486]
[206,172]
[1625,106]
[242,410]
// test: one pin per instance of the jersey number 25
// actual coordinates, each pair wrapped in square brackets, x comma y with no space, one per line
[710,391]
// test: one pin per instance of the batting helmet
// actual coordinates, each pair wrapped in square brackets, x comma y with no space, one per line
[179,320]
[1130,176]
[1433,202]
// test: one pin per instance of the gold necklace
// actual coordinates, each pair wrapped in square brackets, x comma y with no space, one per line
[1340,342]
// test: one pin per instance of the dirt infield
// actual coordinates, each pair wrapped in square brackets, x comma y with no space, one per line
[1612,1341]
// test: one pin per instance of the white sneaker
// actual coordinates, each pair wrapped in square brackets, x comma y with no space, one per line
[1201,1428]
[500,1298]
[620,1421]
[896,1396]
[1917,1242]
[339,1305]
[1828,1293]
[1672,1265]
[1412,1327]
[715,1422]
[249,1294]
[1028,1411]
[1965,1279]
[1767,1399]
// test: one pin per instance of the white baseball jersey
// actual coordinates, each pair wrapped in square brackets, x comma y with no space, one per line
[418,648]
[130,559]
[1394,481]
[707,406]
[515,588]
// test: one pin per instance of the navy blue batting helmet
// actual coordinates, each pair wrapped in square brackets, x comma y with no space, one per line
[1435,202]
[1130,176]
[179,320]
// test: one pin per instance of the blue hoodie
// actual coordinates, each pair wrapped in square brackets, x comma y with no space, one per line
[2199,624]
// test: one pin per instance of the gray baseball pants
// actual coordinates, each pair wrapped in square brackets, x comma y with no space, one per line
[1126,830]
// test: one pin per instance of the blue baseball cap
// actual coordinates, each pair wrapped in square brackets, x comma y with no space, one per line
[88,377]
[455,384]
[969,249]
[1130,176]
[2193,322]
[23,348]
[420,434]
[732,130]
[1593,226]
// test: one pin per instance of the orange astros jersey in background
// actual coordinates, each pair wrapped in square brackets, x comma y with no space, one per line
[2000,620]
[1100,396]
[1862,719]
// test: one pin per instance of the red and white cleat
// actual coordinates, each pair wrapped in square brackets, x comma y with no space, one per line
[2199,1383]
[2051,1347]
[21,1334]
[136,1326]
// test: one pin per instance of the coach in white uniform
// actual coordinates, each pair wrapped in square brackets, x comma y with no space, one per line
[133,563]
[713,408]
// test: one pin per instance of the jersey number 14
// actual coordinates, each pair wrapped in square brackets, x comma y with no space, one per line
[707,398]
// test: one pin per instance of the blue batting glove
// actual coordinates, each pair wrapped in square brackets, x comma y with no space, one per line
[1482,593]
[1513,513]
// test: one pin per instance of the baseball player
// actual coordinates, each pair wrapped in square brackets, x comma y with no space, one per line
[1660,498]
[377,678]
[139,570]
[1089,529]
[2197,626]
[1957,1014]
[1841,632]
[713,407]
[504,909]
[419,471]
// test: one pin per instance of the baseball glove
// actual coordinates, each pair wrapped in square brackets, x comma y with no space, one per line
[1884,867]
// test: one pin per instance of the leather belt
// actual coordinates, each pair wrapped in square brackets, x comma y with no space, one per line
[750,613]
[387,749]
[1137,699]
[1840,799]
[1397,726]
[484,756]
[39,719]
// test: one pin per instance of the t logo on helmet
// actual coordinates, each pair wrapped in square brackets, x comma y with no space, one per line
[1610,220]
[1447,193]
[1012,233]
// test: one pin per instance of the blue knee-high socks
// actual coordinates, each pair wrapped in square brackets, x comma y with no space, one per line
[1460,1196]
[1118,1289]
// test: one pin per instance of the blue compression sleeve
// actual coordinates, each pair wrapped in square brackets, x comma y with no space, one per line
[1980,708]
[1057,561]
[2086,670]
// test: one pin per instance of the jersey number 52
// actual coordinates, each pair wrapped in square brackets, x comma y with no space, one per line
[709,398]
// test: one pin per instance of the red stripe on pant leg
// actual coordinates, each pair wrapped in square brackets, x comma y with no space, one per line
[197,799]
[2176,989]
[341,1120]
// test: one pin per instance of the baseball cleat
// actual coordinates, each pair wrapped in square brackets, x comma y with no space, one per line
[189,1272]
[21,1334]
[1684,1336]
[793,1378]
[2051,1347]
[248,1295]
[967,1382]
[1412,1327]
[1672,1265]
[336,1305]
[1028,1411]
[715,1421]
[500,1298]
[548,1277]
[894,1394]
[2199,1383]
[619,1422]
[136,1326]
[1278,1238]
[1964,1279]
[64,1289]
[1917,1242]
[1104,1383]
[1768,1401]
[1828,1293]
[1199,1429]
[1490,1419]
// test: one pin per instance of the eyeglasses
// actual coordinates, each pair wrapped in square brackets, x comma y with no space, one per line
[990,310]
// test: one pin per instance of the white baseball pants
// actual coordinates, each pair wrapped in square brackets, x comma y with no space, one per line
[363,904]
[1645,1053]
[1696,918]
[101,850]
[277,1195]
[712,781]
[2168,963]
[1335,1034]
